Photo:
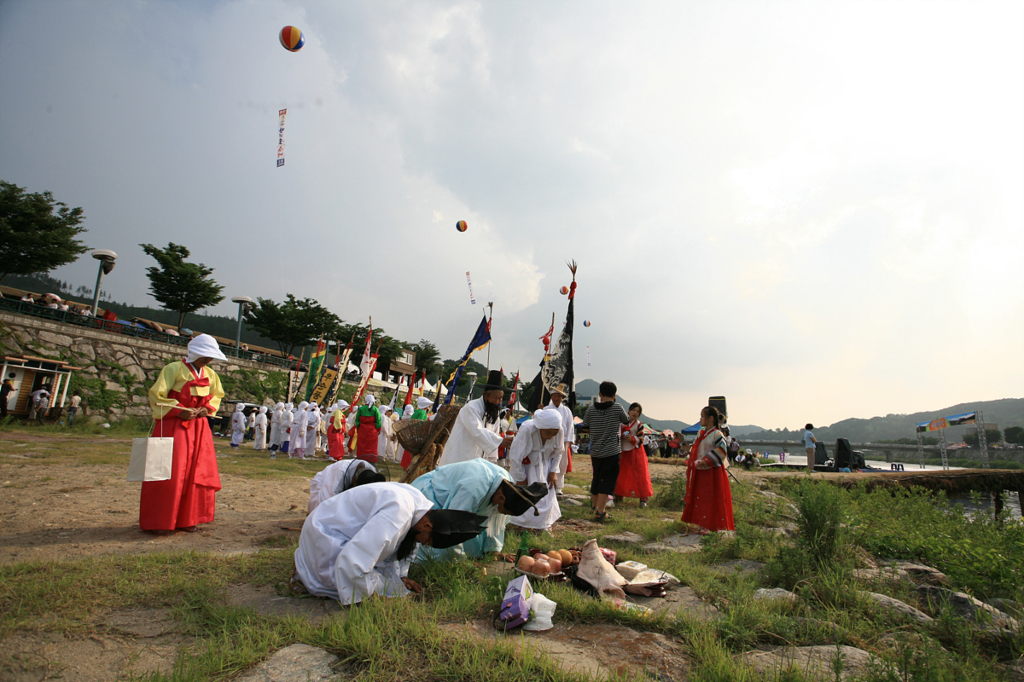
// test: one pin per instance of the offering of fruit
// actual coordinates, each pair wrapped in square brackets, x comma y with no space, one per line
[541,569]
[525,564]
[566,557]
[555,561]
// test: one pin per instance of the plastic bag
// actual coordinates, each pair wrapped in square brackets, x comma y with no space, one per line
[542,610]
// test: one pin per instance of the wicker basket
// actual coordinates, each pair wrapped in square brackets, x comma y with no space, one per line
[413,434]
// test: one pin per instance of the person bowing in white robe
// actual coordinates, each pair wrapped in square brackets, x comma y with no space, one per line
[259,434]
[361,542]
[477,431]
[339,477]
[534,458]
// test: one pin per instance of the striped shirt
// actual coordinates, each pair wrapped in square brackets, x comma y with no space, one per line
[603,419]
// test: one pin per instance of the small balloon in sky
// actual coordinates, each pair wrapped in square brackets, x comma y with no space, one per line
[292,39]
[461,226]
[586,323]
[563,291]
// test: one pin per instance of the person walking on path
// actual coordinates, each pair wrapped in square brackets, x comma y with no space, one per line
[810,443]
[76,400]
[708,499]
[602,421]
[238,425]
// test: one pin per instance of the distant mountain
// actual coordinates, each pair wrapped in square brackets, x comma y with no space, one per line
[588,388]
[1003,413]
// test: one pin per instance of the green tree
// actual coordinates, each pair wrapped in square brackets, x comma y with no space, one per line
[992,436]
[37,234]
[294,322]
[428,358]
[1014,434]
[180,286]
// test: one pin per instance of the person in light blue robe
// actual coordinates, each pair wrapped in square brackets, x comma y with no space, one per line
[475,486]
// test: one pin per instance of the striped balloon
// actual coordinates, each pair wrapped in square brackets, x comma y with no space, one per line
[461,226]
[563,291]
[292,39]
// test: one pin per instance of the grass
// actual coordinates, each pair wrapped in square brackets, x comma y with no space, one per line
[405,639]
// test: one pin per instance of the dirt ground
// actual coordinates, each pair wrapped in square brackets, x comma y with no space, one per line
[53,512]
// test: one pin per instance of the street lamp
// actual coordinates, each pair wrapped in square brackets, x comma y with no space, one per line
[106,259]
[472,381]
[242,302]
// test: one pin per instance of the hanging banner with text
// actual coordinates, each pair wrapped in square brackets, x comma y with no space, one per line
[280,137]
[946,422]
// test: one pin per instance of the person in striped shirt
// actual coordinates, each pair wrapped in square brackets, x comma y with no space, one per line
[602,422]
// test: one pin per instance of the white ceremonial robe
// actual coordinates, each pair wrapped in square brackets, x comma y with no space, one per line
[347,549]
[259,434]
[385,446]
[470,437]
[275,428]
[237,428]
[333,480]
[312,432]
[544,458]
[568,435]
[297,447]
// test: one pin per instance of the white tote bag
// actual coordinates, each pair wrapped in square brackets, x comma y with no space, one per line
[151,459]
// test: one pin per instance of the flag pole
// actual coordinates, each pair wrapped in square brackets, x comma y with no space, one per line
[491,306]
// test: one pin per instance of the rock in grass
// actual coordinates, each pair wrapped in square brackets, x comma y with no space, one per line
[571,503]
[625,538]
[774,594]
[966,606]
[919,572]
[889,573]
[662,547]
[295,662]
[815,662]
[1008,606]
[898,606]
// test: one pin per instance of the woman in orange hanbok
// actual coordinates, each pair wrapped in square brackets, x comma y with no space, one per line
[634,474]
[708,500]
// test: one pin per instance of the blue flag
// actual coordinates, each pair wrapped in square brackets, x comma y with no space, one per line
[480,340]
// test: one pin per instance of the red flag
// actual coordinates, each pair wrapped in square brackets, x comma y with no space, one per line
[515,392]
[408,394]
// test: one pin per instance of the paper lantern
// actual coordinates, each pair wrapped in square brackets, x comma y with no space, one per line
[292,39]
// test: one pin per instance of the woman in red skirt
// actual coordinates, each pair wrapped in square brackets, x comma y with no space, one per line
[184,395]
[708,501]
[634,475]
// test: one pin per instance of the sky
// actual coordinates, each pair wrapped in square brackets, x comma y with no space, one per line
[815,209]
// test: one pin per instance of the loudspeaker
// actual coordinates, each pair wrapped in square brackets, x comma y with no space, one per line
[718,401]
[844,453]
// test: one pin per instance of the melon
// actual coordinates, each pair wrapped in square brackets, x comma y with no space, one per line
[566,556]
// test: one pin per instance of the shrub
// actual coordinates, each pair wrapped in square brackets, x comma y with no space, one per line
[671,496]
[821,516]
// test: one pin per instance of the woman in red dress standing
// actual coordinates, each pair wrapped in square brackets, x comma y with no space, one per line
[634,475]
[184,395]
[336,430]
[708,500]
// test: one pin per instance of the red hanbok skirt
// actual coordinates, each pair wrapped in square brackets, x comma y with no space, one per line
[708,501]
[335,441]
[188,498]
[366,439]
[634,476]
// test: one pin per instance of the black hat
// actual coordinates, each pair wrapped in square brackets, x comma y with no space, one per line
[453,527]
[519,498]
[368,475]
[494,381]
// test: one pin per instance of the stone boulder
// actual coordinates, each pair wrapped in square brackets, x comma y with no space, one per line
[295,662]
[966,606]
[892,604]
[774,594]
[919,573]
[815,662]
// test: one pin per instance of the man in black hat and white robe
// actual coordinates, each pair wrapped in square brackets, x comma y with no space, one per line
[362,541]
[477,431]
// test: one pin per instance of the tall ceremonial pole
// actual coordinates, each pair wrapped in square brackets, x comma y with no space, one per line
[491,306]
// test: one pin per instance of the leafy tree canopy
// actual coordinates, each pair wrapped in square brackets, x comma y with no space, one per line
[37,234]
[180,286]
[1014,434]
[428,358]
[992,436]
[293,322]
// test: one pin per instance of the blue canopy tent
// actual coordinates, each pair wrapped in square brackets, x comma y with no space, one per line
[691,430]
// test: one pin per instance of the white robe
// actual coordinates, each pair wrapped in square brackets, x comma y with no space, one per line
[544,458]
[470,437]
[297,447]
[259,435]
[568,435]
[275,428]
[286,424]
[348,544]
[237,428]
[385,446]
[312,431]
[333,480]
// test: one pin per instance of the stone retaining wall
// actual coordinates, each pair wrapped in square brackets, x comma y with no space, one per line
[114,371]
